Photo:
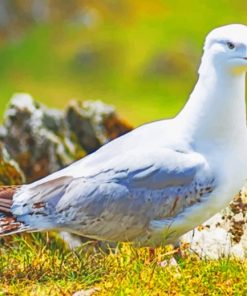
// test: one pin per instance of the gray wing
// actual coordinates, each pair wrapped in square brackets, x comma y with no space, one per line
[121,199]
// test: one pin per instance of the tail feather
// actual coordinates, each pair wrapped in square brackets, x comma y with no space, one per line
[6,197]
[8,223]
[31,208]
[5,201]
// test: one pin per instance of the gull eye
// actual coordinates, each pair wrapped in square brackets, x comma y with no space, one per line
[230,45]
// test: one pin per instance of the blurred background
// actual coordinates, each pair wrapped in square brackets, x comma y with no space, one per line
[139,55]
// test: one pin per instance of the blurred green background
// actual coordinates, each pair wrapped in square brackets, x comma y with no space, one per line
[140,55]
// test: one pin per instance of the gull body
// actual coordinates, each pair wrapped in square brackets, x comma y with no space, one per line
[161,180]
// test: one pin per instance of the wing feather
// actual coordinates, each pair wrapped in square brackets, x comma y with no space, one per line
[123,198]
[120,198]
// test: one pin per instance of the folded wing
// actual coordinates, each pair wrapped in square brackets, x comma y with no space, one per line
[121,199]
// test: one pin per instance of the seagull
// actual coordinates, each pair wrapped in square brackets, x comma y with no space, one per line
[162,179]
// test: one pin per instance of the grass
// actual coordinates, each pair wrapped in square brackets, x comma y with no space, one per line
[41,265]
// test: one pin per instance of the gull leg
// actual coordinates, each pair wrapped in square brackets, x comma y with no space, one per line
[151,255]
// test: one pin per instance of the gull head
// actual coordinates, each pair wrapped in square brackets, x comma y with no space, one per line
[226,49]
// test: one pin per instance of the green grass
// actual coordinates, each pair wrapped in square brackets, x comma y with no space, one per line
[41,265]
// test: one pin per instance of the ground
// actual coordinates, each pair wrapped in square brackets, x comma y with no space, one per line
[42,265]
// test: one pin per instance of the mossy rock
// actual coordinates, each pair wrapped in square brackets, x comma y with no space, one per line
[10,172]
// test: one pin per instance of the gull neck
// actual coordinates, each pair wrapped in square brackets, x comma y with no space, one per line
[216,107]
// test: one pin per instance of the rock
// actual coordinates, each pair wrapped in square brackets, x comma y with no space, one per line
[73,241]
[36,137]
[94,123]
[10,172]
[223,235]
[88,292]
[89,245]
[45,140]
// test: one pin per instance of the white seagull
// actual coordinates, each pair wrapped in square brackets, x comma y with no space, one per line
[159,181]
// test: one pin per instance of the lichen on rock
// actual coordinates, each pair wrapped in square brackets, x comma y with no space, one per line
[44,140]
[223,235]
[10,172]
[36,137]
[94,123]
